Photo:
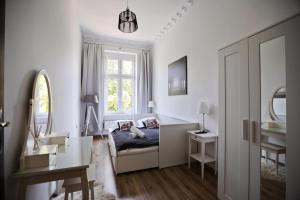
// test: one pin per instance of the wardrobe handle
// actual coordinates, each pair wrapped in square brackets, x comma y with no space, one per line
[253,129]
[245,130]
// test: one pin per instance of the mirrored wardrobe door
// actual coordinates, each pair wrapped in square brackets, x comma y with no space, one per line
[268,115]
[273,118]
[269,55]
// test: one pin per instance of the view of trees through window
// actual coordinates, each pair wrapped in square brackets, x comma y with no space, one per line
[112,97]
[43,98]
[119,83]
[127,95]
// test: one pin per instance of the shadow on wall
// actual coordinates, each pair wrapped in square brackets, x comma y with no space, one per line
[213,113]
[18,127]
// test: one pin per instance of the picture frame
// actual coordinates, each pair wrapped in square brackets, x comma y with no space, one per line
[177,77]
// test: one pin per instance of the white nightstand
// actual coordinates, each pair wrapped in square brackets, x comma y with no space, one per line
[202,156]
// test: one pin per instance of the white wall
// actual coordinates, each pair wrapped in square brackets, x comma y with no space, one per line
[91,37]
[207,27]
[39,35]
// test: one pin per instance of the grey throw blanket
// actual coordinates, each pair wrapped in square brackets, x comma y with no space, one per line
[123,140]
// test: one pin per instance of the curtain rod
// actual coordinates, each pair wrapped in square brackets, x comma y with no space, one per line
[116,46]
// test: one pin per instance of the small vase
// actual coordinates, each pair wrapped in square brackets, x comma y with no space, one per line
[36,145]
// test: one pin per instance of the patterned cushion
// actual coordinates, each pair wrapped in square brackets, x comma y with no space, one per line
[125,125]
[151,123]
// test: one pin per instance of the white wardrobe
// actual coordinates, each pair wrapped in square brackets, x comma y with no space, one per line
[239,160]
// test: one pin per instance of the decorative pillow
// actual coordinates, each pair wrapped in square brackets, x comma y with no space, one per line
[125,125]
[151,123]
[140,124]
[137,131]
[112,126]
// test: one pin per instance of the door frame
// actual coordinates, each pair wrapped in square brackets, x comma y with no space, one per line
[2,36]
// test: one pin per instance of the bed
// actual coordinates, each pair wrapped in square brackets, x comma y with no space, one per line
[162,147]
[131,154]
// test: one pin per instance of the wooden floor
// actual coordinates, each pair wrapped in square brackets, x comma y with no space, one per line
[168,183]
[272,189]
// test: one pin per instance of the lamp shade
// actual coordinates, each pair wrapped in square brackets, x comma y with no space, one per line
[151,104]
[127,21]
[203,108]
[91,99]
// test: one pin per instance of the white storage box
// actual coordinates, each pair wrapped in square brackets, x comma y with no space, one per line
[41,158]
[54,138]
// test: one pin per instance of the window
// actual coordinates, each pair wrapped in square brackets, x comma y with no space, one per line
[42,102]
[119,82]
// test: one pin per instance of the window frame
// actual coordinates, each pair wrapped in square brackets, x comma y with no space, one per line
[120,56]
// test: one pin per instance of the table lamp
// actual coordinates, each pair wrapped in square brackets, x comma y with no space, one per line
[203,109]
[151,105]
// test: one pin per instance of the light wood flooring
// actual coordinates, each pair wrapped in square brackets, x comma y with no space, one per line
[168,183]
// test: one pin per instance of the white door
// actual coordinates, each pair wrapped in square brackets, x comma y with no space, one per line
[289,34]
[234,122]
[2,123]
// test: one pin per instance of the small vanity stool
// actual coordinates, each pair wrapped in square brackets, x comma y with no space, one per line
[273,148]
[74,184]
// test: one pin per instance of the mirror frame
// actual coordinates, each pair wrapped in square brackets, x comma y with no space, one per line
[49,123]
[272,112]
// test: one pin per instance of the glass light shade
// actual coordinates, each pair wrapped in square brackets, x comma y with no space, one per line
[151,104]
[203,108]
[127,21]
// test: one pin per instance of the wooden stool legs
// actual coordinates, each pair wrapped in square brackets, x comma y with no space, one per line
[273,148]
[277,156]
[91,186]
[92,190]
[66,194]
[77,184]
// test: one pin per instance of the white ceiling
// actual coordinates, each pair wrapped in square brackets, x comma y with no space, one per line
[101,17]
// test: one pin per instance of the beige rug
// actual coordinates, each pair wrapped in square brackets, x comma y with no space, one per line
[99,195]
[268,171]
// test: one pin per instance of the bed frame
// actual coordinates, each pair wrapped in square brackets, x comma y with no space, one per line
[171,151]
[132,159]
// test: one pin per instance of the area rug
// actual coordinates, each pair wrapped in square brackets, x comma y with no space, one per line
[99,195]
[268,171]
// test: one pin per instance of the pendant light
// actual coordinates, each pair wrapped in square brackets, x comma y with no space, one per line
[127,21]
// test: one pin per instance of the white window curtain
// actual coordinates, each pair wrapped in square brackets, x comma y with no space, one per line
[145,82]
[91,82]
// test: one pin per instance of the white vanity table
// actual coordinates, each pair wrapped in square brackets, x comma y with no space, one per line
[48,156]
[277,133]
[71,160]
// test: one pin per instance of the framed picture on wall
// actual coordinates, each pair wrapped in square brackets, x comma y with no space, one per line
[177,77]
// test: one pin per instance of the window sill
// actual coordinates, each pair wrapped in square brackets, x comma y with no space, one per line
[117,116]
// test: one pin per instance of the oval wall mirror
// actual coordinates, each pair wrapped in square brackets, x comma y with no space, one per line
[278,105]
[42,103]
